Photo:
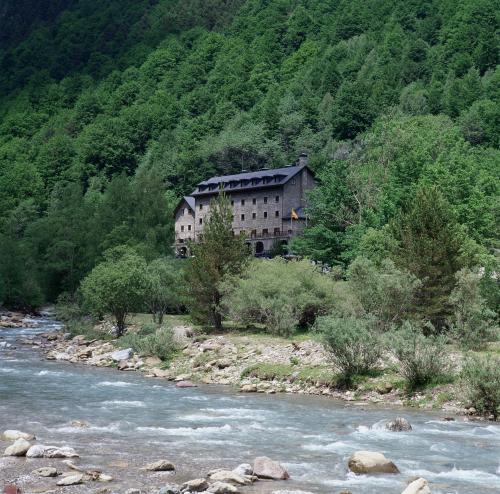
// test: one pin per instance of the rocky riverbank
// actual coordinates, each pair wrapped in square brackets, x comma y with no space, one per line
[249,363]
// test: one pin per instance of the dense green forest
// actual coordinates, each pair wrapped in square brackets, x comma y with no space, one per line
[110,111]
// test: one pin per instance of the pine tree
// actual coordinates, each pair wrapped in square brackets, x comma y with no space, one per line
[217,254]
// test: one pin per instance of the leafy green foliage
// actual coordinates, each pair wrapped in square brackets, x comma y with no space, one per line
[473,323]
[159,344]
[481,378]
[218,254]
[280,294]
[116,286]
[163,287]
[422,359]
[352,343]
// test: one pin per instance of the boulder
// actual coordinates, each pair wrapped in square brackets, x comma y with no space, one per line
[195,485]
[73,479]
[243,469]
[229,476]
[248,388]
[160,466]
[122,354]
[222,488]
[399,424]
[102,477]
[42,451]
[11,489]
[419,486]
[80,424]
[265,468]
[19,448]
[371,462]
[13,435]
[185,384]
[45,472]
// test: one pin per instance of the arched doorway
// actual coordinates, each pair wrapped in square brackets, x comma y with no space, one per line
[259,248]
[182,252]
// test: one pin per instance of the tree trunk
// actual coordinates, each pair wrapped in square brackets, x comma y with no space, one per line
[120,325]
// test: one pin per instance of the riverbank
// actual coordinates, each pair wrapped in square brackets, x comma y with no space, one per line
[252,362]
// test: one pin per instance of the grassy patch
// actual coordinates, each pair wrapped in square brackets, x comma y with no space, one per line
[86,328]
[268,372]
[318,375]
[158,344]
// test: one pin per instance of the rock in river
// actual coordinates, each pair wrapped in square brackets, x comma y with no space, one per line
[399,424]
[371,462]
[45,472]
[185,384]
[72,479]
[419,486]
[19,448]
[13,435]
[160,466]
[195,485]
[243,469]
[222,488]
[42,451]
[265,468]
[229,476]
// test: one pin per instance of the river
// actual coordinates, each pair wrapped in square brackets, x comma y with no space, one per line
[134,420]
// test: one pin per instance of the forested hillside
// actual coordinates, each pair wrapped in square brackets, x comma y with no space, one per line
[110,111]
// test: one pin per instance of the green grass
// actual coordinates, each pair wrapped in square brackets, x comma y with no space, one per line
[318,375]
[86,328]
[268,372]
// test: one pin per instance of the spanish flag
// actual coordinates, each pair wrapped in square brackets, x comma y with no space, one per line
[294,215]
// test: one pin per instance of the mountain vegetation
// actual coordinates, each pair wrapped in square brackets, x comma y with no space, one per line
[110,112]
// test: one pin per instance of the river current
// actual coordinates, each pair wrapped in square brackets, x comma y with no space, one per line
[133,420]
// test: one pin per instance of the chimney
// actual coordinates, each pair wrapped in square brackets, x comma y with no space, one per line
[303,159]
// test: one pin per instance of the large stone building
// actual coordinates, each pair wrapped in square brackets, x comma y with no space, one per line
[268,206]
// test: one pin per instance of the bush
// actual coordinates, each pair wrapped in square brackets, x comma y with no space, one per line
[86,327]
[481,378]
[473,322]
[385,292]
[280,294]
[353,345]
[422,359]
[159,344]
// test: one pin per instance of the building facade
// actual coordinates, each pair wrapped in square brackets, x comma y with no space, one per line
[268,206]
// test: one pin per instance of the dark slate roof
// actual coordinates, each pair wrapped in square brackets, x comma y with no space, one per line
[189,200]
[249,180]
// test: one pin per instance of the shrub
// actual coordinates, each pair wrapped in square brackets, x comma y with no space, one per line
[481,378]
[422,359]
[353,345]
[385,292]
[473,323]
[159,344]
[280,294]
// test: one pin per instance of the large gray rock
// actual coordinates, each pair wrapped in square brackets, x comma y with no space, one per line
[42,451]
[243,469]
[229,476]
[195,485]
[265,468]
[160,466]
[222,488]
[399,424]
[371,462]
[45,472]
[122,354]
[419,486]
[73,479]
[19,448]
[13,435]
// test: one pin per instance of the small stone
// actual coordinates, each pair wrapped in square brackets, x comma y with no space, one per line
[243,469]
[13,435]
[399,424]
[19,448]
[185,384]
[265,468]
[11,489]
[195,485]
[72,479]
[45,472]
[419,486]
[80,424]
[102,477]
[160,466]
[448,419]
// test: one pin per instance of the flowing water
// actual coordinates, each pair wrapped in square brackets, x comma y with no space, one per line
[134,420]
